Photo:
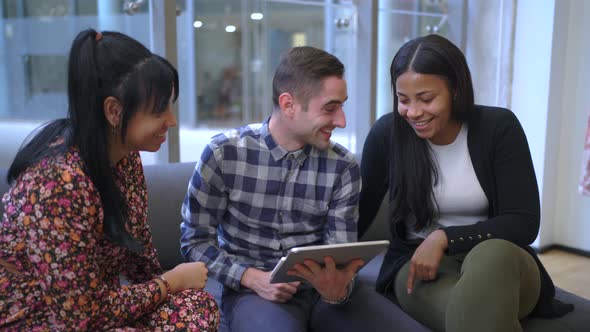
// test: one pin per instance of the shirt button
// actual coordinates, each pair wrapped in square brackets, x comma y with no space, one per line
[470,238]
[479,236]
[489,235]
[452,241]
[461,239]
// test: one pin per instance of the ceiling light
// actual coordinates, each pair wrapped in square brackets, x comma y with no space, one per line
[256,16]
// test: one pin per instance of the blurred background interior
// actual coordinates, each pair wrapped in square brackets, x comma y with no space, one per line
[526,55]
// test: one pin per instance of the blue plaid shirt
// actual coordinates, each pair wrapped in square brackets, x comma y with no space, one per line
[250,200]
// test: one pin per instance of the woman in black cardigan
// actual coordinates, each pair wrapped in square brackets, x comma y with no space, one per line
[464,202]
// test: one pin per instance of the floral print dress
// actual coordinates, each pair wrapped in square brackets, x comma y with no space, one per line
[58,270]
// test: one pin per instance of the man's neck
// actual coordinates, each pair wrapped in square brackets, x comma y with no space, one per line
[281,133]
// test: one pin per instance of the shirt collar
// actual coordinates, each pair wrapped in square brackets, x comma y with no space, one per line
[277,151]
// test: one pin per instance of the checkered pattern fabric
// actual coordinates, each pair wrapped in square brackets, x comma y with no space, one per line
[250,200]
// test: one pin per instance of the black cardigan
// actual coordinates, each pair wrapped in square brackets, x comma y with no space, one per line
[503,165]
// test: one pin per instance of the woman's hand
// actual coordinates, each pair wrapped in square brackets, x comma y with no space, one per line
[426,259]
[187,276]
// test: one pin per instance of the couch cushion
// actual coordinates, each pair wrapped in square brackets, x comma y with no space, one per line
[167,185]
[379,229]
[575,321]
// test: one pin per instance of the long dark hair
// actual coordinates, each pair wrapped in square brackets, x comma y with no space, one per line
[102,65]
[414,172]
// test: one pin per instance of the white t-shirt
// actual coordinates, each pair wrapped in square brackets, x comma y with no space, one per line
[460,198]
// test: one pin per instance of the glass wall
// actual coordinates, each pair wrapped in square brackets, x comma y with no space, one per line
[35,42]
[231,48]
[402,20]
[227,51]
[483,30]
[35,37]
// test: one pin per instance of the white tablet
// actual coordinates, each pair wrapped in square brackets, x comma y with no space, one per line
[341,253]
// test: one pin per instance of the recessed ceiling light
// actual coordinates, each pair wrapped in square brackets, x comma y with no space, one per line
[256,16]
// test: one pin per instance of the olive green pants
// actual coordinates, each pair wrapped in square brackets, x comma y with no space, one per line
[490,289]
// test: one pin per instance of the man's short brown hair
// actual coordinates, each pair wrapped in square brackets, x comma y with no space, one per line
[301,73]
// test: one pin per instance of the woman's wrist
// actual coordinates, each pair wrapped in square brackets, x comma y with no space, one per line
[441,238]
[163,282]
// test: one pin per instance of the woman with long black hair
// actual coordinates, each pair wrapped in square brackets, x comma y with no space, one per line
[76,214]
[464,202]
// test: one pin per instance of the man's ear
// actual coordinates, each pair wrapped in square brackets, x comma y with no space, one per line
[112,111]
[287,104]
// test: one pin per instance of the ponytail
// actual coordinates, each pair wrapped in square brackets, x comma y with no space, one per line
[85,127]
[86,93]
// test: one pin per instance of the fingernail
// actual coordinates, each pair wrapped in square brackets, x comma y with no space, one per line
[409,291]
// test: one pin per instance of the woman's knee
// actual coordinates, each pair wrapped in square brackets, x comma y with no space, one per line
[499,284]
[504,266]
[198,298]
[197,307]
[190,309]
[495,253]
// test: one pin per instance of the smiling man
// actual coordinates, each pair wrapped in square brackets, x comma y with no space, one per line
[259,190]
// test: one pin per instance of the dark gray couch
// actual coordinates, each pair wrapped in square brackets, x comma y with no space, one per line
[167,185]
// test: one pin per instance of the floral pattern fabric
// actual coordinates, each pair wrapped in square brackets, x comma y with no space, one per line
[59,272]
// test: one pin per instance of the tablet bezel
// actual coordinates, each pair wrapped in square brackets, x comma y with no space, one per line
[342,254]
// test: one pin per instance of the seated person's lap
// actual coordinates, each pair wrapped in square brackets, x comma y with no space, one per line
[494,274]
[306,311]
[250,312]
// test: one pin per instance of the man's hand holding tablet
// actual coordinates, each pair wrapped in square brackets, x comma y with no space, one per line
[346,255]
